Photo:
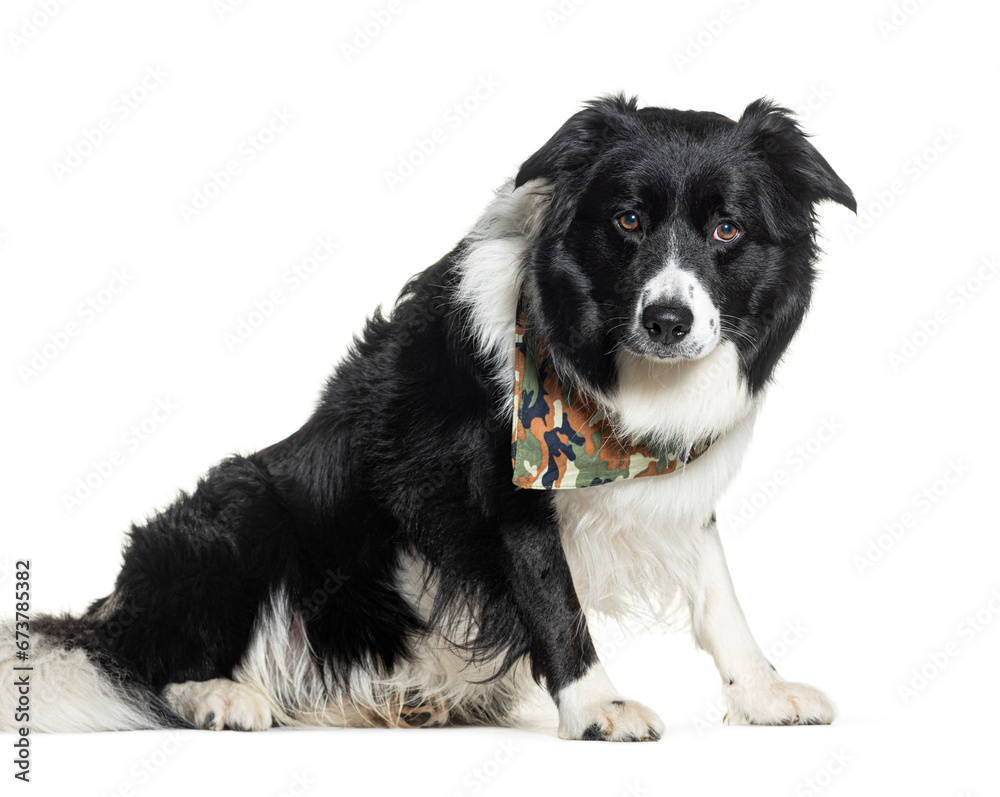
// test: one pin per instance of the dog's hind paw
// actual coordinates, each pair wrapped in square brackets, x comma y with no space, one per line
[409,711]
[429,713]
[219,704]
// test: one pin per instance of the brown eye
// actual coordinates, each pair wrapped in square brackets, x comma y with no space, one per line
[726,231]
[629,221]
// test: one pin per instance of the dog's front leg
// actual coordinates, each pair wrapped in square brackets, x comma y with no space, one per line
[755,693]
[561,649]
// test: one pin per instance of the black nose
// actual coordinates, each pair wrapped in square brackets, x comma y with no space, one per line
[667,323]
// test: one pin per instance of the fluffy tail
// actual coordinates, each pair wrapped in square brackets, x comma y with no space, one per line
[74,685]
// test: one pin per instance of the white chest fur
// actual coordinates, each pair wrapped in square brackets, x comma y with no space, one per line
[626,541]
[623,540]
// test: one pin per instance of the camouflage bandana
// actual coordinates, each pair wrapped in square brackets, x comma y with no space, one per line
[560,440]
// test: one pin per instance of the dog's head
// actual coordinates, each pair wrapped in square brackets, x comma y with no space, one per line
[668,232]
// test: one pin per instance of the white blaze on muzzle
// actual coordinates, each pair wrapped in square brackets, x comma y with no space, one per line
[675,287]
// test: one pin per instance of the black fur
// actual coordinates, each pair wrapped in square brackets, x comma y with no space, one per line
[75,633]
[405,452]
[402,454]
[680,170]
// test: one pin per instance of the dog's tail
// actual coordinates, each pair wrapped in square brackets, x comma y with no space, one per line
[67,681]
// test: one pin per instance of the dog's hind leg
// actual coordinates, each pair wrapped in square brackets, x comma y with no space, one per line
[194,579]
[219,704]
[416,711]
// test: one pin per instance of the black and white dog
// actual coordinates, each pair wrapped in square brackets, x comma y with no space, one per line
[381,567]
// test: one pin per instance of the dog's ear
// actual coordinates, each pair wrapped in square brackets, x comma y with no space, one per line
[580,139]
[777,136]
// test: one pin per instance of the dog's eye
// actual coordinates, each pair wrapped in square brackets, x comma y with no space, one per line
[726,231]
[629,221]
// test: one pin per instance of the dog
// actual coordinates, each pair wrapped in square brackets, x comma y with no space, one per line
[539,429]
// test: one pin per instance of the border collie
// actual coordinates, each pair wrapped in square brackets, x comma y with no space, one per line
[539,429]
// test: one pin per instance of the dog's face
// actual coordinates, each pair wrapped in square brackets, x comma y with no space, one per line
[671,231]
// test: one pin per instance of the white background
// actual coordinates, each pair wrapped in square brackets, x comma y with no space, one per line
[886,92]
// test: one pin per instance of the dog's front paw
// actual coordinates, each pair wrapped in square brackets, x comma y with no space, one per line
[611,721]
[219,704]
[771,701]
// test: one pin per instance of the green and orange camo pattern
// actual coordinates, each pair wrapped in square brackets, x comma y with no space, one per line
[560,440]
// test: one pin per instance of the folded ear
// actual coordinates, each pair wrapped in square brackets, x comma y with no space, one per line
[580,139]
[775,133]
